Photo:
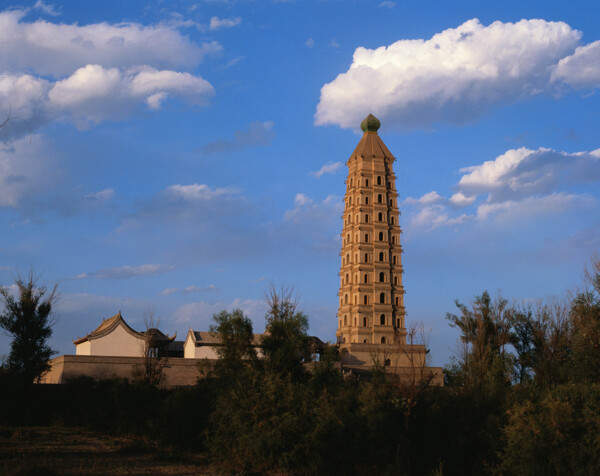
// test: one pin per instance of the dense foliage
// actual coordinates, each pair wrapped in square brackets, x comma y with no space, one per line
[522,397]
[27,319]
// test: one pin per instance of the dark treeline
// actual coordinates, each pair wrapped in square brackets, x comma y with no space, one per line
[521,397]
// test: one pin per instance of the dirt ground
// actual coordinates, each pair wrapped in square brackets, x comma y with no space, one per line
[47,451]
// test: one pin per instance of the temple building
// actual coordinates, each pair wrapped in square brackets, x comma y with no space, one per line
[114,337]
[371,316]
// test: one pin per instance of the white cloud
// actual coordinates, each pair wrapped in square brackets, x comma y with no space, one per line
[102,195]
[429,198]
[219,23]
[313,214]
[199,289]
[581,69]
[518,184]
[189,290]
[92,93]
[197,192]
[124,272]
[168,291]
[460,200]
[431,217]
[95,72]
[58,49]
[387,4]
[196,205]
[328,168]
[310,42]
[46,8]
[523,172]
[554,204]
[454,76]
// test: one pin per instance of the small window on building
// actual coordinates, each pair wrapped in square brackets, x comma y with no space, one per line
[397,301]
[394,260]
[381,277]
[345,320]
[366,278]
[381,236]
[397,322]
[366,299]
[366,182]
[346,299]
[392,220]
[379,198]
[395,279]
[351,182]
[393,240]
[382,319]
[365,341]
[366,258]
[381,256]
[382,298]
[391,202]
[387,361]
[366,237]
[347,279]
[366,200]
[355,322]
[364,322]
[343,340]
[380,216]
[378,180]
[366,218]
[383,340]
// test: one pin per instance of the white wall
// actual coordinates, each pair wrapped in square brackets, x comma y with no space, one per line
[83,348]
[205,352]
[188,347]
[118,343]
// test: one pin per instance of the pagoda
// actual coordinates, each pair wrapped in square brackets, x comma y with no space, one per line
[371,310]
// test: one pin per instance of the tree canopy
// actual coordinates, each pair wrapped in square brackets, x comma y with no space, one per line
[28,319]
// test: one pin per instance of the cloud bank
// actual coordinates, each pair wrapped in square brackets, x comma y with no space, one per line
[91,73]
[458,74]
[517,184]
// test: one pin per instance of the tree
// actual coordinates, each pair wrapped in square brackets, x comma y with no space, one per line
[235,334]
[551,340]
[485,332]
[28,319]
[585,328]
[151,372]
[285,343]
[522,340]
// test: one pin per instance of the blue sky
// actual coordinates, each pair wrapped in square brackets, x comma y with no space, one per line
[182,155]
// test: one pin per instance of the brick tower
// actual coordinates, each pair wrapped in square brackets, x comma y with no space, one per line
[371,294]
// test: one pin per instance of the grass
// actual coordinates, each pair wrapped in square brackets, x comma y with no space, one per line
[37,451]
